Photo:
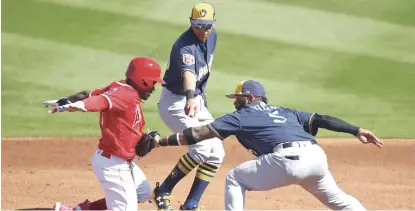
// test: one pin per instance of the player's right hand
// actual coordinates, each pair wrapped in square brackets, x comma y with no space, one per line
[366,136]
[53,104]
[48,103]
[62,101]
[56,104]
[191,107]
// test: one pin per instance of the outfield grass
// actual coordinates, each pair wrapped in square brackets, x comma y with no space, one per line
[353,59]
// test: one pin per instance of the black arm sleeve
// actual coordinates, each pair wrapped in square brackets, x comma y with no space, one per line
[333,124]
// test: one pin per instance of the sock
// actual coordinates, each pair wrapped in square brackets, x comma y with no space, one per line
[98,205]
[185,165]
[205,174]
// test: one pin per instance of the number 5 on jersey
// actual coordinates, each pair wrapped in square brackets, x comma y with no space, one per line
[277,118]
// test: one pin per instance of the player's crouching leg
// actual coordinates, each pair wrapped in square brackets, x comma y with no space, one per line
[327,192]
[234,193]
[343,201]
[209,154]
[142,185]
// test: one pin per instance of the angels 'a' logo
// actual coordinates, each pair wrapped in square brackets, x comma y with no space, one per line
[137,118]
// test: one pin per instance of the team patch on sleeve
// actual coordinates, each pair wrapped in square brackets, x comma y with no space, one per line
[188,59]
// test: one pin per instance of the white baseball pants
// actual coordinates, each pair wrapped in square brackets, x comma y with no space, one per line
[275,170]
[123,182]
[171,110]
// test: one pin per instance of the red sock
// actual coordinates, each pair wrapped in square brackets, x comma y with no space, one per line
[98,205]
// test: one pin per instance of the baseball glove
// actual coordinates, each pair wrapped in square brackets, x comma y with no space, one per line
[146,143]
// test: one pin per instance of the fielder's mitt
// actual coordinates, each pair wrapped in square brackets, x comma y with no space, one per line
[146,143]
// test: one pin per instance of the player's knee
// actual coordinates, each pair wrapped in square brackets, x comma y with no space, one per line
[231,179]
[217,153]
[210,151]
[199,156]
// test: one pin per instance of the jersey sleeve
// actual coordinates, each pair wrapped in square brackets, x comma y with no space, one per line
[118,98]
[226,125]
[96,103]
[187,60]
[306,119]
[98,91]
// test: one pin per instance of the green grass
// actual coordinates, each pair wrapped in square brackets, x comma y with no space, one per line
[396,11]
[360,67]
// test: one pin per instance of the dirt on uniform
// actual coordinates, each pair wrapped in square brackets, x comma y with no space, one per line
[38,172]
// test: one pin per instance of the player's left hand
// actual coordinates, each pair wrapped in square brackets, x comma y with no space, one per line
[54,104]
[366,136]
[191,107]
[71,107]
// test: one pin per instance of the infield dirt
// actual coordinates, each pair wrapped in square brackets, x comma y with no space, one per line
[38,172]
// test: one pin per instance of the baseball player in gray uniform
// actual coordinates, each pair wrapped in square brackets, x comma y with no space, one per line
[282,139]
[183,104]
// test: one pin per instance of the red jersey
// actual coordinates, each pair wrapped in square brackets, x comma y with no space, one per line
[121,118]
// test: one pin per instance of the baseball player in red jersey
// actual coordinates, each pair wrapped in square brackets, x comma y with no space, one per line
[121,121]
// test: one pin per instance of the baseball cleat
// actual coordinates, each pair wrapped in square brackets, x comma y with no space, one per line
[193,208]
[83,206]
[60,207]
[162,200]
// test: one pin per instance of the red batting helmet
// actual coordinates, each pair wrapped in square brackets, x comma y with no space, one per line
[144,71]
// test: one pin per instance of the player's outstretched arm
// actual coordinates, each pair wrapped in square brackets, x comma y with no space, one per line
[82,95]
[188,136]
[89,104]
[55,104]
[339,125]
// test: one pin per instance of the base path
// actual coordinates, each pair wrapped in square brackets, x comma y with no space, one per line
[38,172]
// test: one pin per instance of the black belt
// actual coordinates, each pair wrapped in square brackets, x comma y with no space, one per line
[294,157]
[290,144]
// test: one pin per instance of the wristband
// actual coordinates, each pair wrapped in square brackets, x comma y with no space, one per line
[170,141]
[190,93]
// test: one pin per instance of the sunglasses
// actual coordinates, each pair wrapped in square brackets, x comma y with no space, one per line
[203,26]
